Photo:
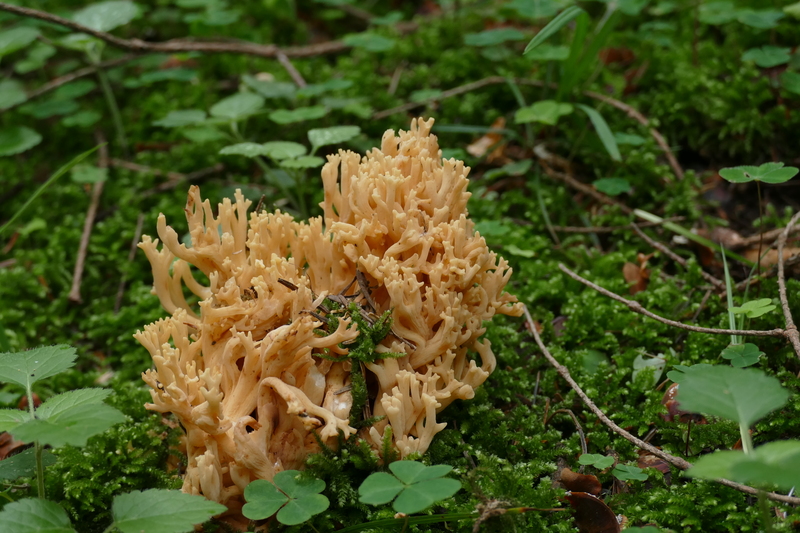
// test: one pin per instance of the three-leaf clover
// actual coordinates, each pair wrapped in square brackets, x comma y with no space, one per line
[601,462]
[625,473]
[415,485]
[754,308]
[742,355]
[767,173]
[295,498]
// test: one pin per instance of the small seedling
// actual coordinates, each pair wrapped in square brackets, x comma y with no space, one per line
[742,355]
[415,486]
[601,462]
[295,498]
[754,308]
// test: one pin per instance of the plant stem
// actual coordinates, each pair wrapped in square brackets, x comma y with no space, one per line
[763,507]
[37,447]
[116,117]
[747,441]
[760,235]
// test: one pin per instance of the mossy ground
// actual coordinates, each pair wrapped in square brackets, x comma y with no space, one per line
[509,442]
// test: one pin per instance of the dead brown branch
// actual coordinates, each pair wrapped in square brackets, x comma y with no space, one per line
[791,330]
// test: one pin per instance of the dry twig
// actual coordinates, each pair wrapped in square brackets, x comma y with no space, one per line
[606,229]
[671,459]
[297,78]
[791,329]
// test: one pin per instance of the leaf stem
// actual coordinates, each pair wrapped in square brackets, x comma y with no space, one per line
[38,448]
[747,440]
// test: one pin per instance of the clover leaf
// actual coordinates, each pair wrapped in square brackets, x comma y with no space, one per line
[625,473]
[767,173]
[415,485]
[754,308]
[295,498]
[742,355]
[601,462]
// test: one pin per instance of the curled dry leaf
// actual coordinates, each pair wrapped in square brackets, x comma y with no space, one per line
[591,514]
[637,274]
[482,145]
[648,460]
[674,411]
[574,481]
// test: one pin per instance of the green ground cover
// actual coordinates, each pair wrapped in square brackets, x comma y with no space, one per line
[560,141]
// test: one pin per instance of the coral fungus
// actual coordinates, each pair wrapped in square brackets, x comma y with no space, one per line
[264,367]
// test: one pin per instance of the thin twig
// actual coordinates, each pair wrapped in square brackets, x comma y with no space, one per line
[395,81]
[671,459]
[753,239]
[581,435]
[636,307]
[137,234]
[719,284]
[791,330]
[136,167]
[297,78]
[91,212]
[606,229]
[791,261]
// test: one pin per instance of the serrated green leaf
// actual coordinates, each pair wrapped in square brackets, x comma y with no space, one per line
[544,111]
[32,515]
[612,186]
[74,425]
[493,37]
[17,139]
[738,394]
[28,367]
[742,355]
[334,135]
[553,26]
[16,39]
[105,16]
[307,161]
[181,117]
[237,106]
[161,511]
[11,93]
[302,509]
[263,500]
[603,131]
[53,407]
[379,488]
[290,116]
[768,56]
[369,41]
[420,496]
[246,149]
[11,418]
[773,464]
[23,464]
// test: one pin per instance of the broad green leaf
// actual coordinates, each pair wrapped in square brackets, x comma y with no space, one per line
[23,464]
[88,174]
[793,10]
[203,134]
[28,367]
[333,135]
[302,509]
[11,93]
[37,56]
[743,395]
[182,117]
[625,472]
[420,496]
[779,175]
[773,464]
[316,89]
[246,149]
[237,106]
[279,150]
[629,138]
[105,16]
[717,12]
[612,186]
[294,485]
[82,42]
[16,38]
[379,488]
[287,116]
[270,89]
[76,89]
[33,515]
[544,111]
[82,119]
[762,19]
[754,308]
[768,56]
[307,161]
[49,108]
[369,41]
[55,406]
[493,37]
[423,95]
[161,511]
[74,425]
[603,131]
[742,355]
[601,462]
[768,173]
[790,81]
[389,19]
[11,418]
[17,139]
[432,472]
[553,26]
[549,52]
[406,471]
[263,500]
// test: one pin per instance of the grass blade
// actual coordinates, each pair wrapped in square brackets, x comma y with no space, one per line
[553,26]
[603,131]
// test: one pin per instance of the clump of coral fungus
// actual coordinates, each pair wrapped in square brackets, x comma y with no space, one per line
[263,369]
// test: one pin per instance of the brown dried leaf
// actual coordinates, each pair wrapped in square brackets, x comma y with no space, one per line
[574,481]
[8,446]
[771,257]
[591,514]
[482,145]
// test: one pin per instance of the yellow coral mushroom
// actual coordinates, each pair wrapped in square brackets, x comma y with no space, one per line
[248,374]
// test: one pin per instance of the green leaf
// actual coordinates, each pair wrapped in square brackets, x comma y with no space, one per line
[625,473]
[23,465]
[762,19]
[738,394]
[73,426]
[50,108]
[642,363]
[270,89]
[790,81]
[82,42]
[773,464]
[717,13]
[161,511]
[553,26]
[76,89]
[17,139]
[534,10]
[301,510]
[389,19]
[11,418]
[420,496]
[279,150]
[493,37]
[601,462]
[779,175]
[549,52]
[263,500]
[203,134]
[81,119]
[767,173]
[11,93]
[368,41]
[768,56]
[333,135]
[88,174]
[407,471]
[294,485]
[286,116]
[307,161]
[544,111]
[55,406]
[754,308]
[316,89]
[237,106]
[423,95]
[246,149]
[28,367]
[33,515]
[181,117]
[612,186]
[629,138]
[603,131]
[105,16]
[36,58]
[379,488]
[793,10]
[742,355]
[16,38]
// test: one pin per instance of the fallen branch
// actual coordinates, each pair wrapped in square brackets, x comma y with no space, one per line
[791,330]
[671,459]
[297,78]
[636,307]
